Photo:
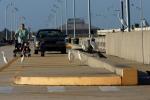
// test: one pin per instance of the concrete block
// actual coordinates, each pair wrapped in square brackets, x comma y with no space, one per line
[69,81]
[129,76]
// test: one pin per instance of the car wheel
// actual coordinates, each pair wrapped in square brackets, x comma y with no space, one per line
[35,51]
[42,53]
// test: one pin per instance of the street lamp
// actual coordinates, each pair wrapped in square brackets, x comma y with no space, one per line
[142,17]
[61,3]
[12,5]
[89,17]
[22,19]
[15,10]
[122,14]
[50,17]
[57,8]
[128,14]
[54,11]
[6,33]
[66,13]
[13,14]
[13,17]
[74,21]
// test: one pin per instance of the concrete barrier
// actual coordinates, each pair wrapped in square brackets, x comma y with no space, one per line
[128,74]
[132,46]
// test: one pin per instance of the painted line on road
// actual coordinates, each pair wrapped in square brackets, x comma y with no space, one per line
[52,89]
[6,89]
[109,88]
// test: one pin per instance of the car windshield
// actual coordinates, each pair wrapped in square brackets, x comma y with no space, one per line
[44,34]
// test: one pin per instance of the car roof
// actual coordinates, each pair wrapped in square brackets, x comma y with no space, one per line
[49,30]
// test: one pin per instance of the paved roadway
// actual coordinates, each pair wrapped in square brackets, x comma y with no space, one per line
[10,91]
[8,53]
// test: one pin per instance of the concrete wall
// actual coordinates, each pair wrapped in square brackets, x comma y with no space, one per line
[129,45]
[100,42]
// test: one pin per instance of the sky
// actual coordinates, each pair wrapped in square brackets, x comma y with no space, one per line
[104,13]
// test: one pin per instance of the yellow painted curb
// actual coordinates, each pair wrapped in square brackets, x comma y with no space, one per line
[70,81]
[129,76]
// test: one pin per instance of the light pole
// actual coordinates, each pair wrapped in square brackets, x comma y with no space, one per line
[89,17]
[142,17]
[12,5]
[50,19]
[22,19]
[74,20]
[55,17]
[128,15]
[61,3]
[122,14]
[61,17]
[66,13]
[12,21]
[57,8]
[6,32]
[15,20]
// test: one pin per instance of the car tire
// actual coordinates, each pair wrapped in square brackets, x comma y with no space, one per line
[42,53]
[35,51]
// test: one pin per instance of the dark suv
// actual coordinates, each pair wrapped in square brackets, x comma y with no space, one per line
[49,40]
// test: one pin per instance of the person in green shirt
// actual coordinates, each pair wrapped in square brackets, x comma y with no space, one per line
[21,41]
[22,34]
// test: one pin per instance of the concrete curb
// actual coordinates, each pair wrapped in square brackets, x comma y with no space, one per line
[128,74]
[69,81]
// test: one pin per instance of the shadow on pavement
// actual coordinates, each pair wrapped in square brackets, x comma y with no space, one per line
[144,78]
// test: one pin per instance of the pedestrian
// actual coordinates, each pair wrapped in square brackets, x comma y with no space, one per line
[21,34]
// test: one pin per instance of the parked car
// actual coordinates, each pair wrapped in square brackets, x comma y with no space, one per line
[49,40]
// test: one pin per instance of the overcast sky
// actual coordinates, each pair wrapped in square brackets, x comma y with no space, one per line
[104,14]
